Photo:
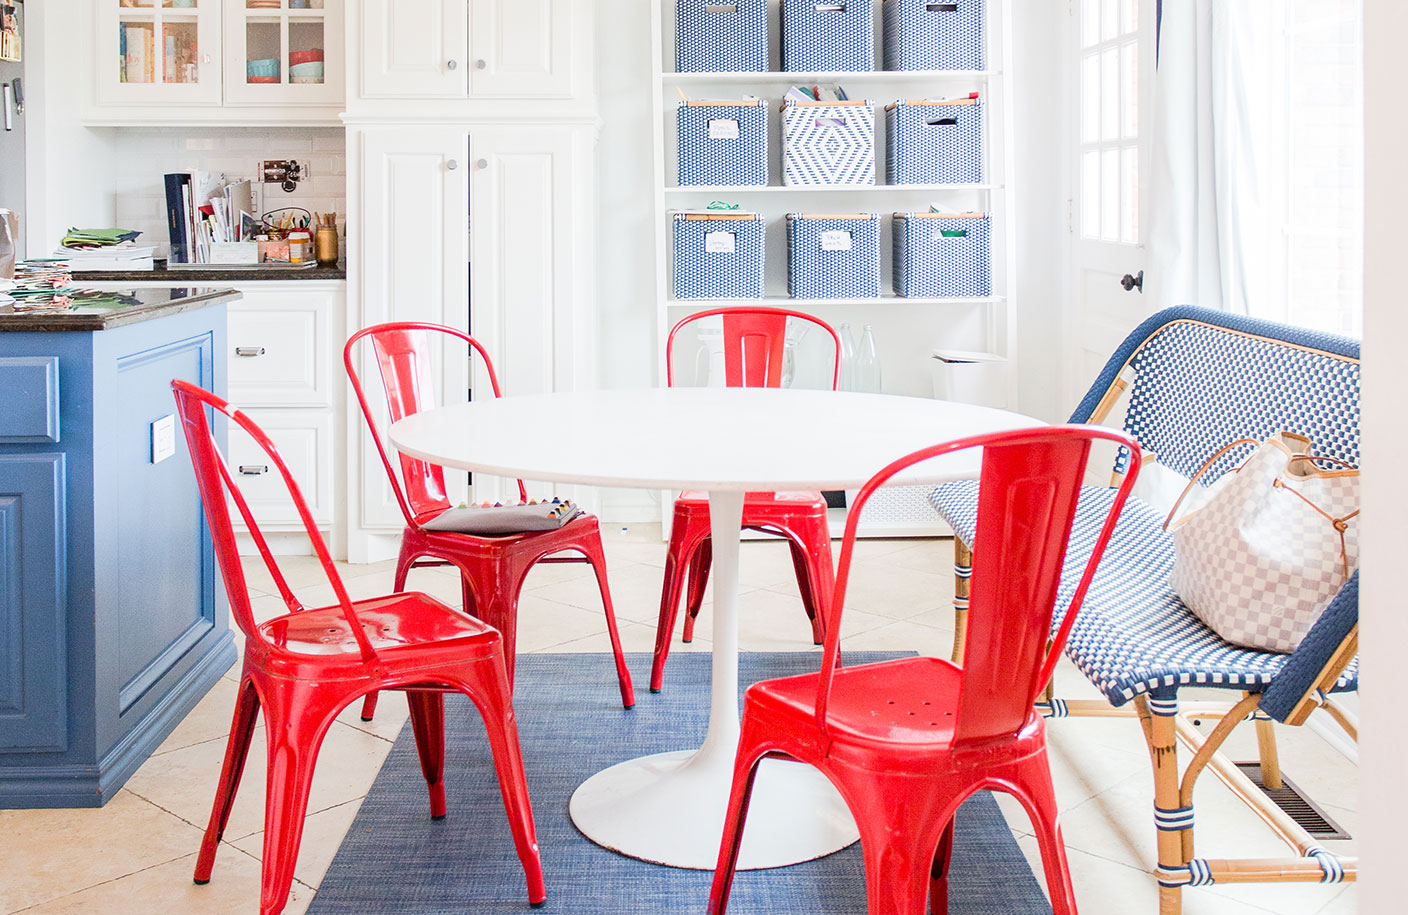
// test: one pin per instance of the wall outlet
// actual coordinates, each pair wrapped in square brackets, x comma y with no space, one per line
[163,438]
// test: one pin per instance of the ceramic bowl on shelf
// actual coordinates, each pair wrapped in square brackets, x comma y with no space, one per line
[264,67]
[263,79]
[305,80]
[312,55]
[313,70]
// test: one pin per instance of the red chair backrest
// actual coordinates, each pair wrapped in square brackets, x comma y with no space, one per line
[1028,490]
[403,355]
[214,479]
[755,339]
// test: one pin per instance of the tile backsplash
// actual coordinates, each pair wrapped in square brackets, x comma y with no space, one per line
[144,155]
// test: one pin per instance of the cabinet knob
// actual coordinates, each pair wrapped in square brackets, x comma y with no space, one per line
[249,351]
[452,64]
[482,163]
[453,164]
[481,64]
[253,470]
[205,59]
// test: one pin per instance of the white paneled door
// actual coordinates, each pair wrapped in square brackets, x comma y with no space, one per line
[521,48]
[1111,55]
[414,48]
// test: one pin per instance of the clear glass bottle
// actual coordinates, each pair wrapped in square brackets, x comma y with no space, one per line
[848,358]
[867,372]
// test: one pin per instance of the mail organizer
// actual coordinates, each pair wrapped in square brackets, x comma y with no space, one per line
[828,142]
[942,254]
[719,256]
[828,35]
[723,142]
[934,142]
[833,256]
[721,37]
[924,35]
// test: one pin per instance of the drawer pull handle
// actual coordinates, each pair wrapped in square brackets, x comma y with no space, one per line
[253,470]
[249,351]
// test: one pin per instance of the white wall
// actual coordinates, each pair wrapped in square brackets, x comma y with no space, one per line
[1384,493]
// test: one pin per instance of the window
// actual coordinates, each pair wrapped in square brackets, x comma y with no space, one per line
[1109,120]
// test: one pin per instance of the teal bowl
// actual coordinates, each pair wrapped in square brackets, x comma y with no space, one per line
[267,67]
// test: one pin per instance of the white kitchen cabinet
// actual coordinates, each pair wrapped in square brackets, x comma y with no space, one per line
[413,48]
[306,443]
[522,48]
[484,227]
[218,62]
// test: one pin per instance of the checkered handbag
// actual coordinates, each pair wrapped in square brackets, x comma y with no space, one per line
[1268,545]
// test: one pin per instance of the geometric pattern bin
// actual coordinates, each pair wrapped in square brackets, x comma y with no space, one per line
[718,256]
[833,256]
[934,142]
[942,254]
[721,37]
[922,35]
[828,142]
[723,143]
[827,36]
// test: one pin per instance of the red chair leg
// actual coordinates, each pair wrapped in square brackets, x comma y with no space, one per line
[428,725]
[938,877]
[295,731]
[1032,781]
[491,694]
[745,770]
[369,706]
[596,554]
[684,539]
[236,752]
[816,577]
[699,565]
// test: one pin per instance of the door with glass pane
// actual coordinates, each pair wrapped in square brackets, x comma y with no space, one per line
[284,52]
[1111,54]
[159,52]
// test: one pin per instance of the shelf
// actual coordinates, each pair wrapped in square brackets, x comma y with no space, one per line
[824,188]
[857,77]
[884,301]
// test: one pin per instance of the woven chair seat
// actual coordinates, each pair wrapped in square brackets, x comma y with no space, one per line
[1133,634]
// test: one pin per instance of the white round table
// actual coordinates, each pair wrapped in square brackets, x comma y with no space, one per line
[669,808]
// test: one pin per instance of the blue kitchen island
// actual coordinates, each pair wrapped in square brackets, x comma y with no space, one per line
[113,621]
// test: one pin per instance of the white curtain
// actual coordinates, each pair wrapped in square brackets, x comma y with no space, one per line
[1218,184]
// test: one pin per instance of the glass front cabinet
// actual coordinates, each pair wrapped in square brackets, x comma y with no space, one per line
[220,53]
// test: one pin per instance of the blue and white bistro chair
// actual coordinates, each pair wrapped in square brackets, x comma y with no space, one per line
[1196,379]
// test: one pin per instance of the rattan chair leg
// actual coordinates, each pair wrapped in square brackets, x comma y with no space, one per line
[1266,747]
[962,573]
[1175,844]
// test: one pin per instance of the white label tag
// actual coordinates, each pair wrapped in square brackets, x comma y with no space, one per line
[718,242]
[723,129]
[836,240]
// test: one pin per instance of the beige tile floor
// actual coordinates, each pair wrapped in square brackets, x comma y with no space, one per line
[136,854]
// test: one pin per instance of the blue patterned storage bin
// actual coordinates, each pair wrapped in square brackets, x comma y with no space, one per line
[934,142]
[723,142]
[828,142]
[833,257]
[828,35]
[922,35]
[721,37]
[937,254]
[719,256]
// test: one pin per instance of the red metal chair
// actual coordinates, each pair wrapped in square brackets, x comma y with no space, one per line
[907,741]
[492,568]
[755,341]
[306,666]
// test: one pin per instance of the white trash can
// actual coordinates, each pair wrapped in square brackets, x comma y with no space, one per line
[975,378]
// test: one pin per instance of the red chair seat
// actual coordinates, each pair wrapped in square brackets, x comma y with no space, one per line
[790,500]
[397,621]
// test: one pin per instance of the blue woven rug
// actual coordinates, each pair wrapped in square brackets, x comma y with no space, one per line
[395,859]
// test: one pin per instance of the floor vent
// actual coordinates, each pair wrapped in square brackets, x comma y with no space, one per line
[1296,805]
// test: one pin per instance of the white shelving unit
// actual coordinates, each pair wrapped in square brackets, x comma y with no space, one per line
[906,329]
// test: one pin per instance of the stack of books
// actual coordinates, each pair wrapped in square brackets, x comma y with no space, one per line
[203,209]
[104,249]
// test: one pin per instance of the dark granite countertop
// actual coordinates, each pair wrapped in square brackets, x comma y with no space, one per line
[211,273]
[84,312]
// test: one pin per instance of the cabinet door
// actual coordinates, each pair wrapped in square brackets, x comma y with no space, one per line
[284,52]
[281,351]
[304,440]
[158,52]
[521,48]
[416,268]
[413,48]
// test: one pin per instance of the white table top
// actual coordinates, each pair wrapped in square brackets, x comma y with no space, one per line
[724,439]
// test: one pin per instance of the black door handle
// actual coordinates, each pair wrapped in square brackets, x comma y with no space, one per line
[1133,282]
